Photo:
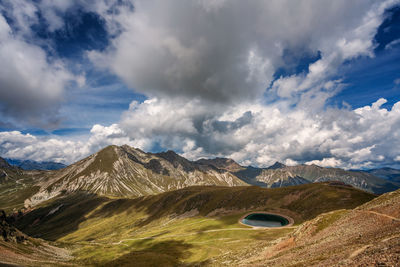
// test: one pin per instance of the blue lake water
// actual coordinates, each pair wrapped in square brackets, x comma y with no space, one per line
[265,220]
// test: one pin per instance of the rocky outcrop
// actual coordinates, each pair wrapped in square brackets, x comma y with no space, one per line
[8,232]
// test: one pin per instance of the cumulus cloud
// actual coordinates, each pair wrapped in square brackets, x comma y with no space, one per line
[208,68]
[31,84]
[251,134]
[14,144]
[228,51]
[258,134]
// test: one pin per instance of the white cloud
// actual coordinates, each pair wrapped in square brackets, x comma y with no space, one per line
[326,162]
[206,70]
[202,49]
[32,85]
[392,44]
[251,134]
[15,144]
[259,134]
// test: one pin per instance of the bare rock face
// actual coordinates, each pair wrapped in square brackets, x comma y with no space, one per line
[128,172]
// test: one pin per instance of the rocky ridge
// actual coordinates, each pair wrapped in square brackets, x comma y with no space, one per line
[128,172]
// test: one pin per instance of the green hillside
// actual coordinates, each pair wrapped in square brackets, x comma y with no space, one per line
[194,225]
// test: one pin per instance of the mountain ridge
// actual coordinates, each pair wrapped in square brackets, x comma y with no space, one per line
[124,171]
[128,172]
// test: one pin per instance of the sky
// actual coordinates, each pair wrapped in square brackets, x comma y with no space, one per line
[300,82]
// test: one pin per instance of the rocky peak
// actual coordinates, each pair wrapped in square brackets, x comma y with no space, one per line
[176,160]
[277,165]
[222,163]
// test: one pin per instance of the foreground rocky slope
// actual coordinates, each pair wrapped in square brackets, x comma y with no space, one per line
[365,236]
[128,172]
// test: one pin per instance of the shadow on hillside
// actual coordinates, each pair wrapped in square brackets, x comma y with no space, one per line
[60,217]
[297,202]
[165,253]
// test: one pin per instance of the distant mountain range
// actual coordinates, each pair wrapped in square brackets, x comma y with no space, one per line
[123,171]
[387,174]
[280,175]
[36,165]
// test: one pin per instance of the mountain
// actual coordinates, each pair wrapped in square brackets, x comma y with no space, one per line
[128,172]
[281,175]
[276,165]
[362,180]
[35,165]
[270,178]
[122,205]
[222,163]
[389,174]
[123,171]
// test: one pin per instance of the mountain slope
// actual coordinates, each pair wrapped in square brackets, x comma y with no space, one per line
[387,173]
[282,175]
[16,185]
[222,163]
[365,236]
[18,248]
[193,225]
[360,180]
[128,172]
[270,178]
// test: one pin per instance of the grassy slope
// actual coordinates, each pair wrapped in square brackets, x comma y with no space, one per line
[194,225]
[17,188]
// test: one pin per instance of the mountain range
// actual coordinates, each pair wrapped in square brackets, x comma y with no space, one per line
[35,165]
[123,171]
[122,206]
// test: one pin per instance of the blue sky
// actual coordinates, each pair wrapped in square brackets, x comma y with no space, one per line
[158,75]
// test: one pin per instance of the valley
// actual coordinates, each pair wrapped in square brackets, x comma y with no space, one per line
[122,206]
[195,225]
